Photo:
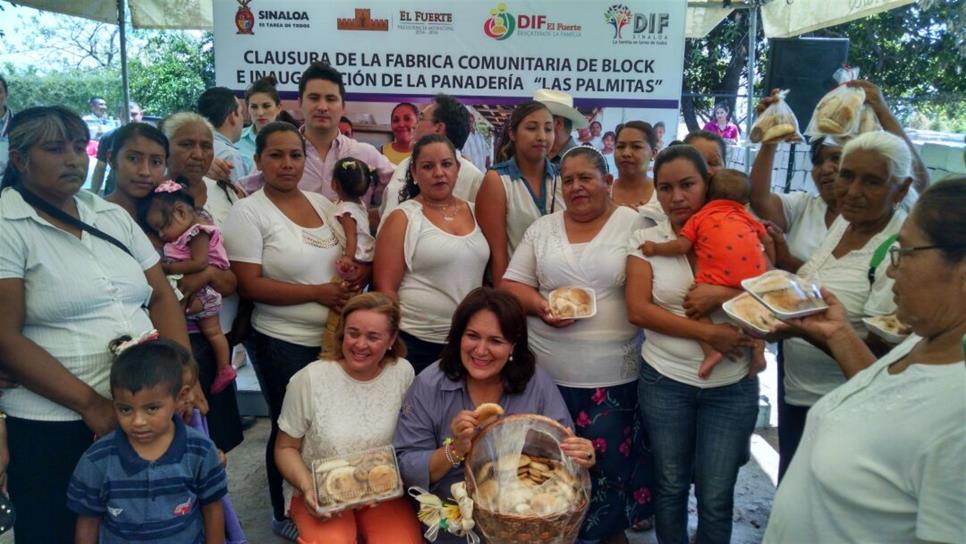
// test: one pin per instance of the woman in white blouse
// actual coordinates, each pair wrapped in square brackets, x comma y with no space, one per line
[65,293]
[699,429]
[873,178]
[521,187]
[883,458]
[593,361]
[347,402]
[283,243]
[430,252]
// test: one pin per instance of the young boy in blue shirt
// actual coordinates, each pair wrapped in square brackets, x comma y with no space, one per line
[154,479]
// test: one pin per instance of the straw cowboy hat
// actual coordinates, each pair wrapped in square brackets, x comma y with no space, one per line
[561,104]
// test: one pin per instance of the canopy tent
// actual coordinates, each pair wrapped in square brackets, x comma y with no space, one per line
[780,19]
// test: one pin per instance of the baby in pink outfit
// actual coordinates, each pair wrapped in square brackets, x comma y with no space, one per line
[191,245]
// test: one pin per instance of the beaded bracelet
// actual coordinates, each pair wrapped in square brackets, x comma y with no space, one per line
[450,452]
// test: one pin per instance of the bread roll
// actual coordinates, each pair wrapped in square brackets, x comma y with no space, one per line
[778,132]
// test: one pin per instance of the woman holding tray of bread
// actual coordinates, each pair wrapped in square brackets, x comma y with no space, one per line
[586,246]
[803,219]
[343,404]
[486,360]
[884,455]
[430,252]
[697,427]
[873,177]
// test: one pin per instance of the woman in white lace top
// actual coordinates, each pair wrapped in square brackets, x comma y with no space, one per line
[347,402]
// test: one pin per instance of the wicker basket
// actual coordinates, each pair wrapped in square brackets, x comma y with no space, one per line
[543,439]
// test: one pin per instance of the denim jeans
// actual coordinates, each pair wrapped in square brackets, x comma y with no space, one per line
[701,432]
[275,362]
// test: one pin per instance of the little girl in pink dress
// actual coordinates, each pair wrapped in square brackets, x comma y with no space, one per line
[192,245]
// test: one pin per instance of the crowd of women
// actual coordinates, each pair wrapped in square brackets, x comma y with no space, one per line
[456,315]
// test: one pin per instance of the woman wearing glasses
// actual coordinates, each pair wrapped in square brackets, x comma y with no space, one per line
[874,175]
[884,455]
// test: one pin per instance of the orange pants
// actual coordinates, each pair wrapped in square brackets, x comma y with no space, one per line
[390,522]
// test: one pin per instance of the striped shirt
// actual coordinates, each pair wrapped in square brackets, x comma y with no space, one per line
[148,501]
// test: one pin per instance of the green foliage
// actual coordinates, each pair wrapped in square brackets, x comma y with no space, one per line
[914,53]
[172,70]
[715,65]
[72,88]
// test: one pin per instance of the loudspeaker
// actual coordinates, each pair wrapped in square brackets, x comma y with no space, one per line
[805,67]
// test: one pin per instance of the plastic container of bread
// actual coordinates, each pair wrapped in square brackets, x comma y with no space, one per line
[366,477]
[886,327]
[785,294]
[573,302]
[524,489]
[751,315]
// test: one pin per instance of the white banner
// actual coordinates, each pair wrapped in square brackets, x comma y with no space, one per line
[627,55]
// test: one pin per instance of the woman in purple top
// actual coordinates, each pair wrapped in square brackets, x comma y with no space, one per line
[721,125]
[486,359]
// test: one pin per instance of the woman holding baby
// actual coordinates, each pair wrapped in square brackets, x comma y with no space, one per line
[698,427]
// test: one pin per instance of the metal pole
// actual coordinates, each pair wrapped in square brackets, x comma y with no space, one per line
[125,108]
[752,35]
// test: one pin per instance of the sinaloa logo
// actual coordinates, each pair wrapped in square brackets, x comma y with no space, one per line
[618,16]
[501,24]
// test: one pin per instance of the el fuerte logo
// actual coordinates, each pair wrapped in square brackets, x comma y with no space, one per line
[501,24]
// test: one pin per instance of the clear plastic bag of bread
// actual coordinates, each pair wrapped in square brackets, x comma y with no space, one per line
[524,488]
[777,123]
[839,113]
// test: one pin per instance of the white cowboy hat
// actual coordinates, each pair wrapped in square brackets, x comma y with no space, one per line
[561,104]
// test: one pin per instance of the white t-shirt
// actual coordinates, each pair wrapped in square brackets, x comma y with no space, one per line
[805,221]
[882,459]
[679,358]
[467,185]
[600,351]
[441,269]
[809,371]
[257,232]
[365,243]
[79,293]
[336,414]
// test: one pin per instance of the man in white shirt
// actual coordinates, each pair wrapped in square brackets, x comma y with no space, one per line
[447,116]
[98,121]
[223,110]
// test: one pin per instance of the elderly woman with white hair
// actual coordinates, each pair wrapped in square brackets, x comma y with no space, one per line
[883,458]
[191,146]
[874,175]
[191,139]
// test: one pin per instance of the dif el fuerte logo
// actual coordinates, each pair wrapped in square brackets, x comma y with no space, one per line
[501,24]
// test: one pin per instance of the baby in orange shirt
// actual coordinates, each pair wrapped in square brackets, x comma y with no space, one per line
[729,246]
